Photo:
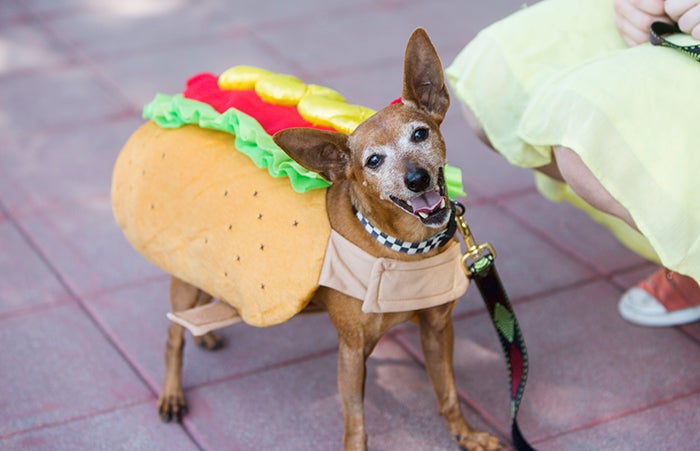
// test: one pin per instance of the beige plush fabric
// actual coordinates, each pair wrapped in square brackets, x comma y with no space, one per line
[387,285]
[196,207]
[206,318]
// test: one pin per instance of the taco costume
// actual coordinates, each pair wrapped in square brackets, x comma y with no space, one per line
[203,192]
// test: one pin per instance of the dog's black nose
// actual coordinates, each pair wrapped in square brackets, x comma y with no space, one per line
[417,180]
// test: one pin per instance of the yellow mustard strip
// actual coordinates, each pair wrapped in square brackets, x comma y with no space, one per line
[318,105]
[241,78]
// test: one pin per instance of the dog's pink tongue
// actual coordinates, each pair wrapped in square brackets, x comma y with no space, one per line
[427,203]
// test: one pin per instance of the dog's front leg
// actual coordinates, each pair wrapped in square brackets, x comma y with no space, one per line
[352,358]
[358,334]
[437,339]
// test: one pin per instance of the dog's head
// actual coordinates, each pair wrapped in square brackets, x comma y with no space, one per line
[397,156]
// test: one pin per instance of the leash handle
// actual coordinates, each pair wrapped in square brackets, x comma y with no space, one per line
[478,265]
[656,37]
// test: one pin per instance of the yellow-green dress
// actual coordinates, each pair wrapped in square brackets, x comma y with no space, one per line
[558,73]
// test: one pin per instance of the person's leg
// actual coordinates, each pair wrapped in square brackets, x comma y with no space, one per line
[582,181]
[664,298]
[567,166]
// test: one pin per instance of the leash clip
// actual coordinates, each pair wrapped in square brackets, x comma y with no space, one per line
[475,252]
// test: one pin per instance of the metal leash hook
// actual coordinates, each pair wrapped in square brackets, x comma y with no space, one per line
[475,252]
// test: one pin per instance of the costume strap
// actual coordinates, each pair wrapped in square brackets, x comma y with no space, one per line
[658,29]
[478,264]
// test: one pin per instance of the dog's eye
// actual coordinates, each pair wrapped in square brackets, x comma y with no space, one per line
[419,135]
[374,161]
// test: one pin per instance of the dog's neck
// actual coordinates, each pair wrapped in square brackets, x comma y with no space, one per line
[413,247]
[342,203]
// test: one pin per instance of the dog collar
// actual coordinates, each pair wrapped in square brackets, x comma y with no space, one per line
[416,247]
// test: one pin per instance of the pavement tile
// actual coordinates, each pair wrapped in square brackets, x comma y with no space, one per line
[104,27]
[57,366]
[297,407]
[471,302]
[143,74]
[692,330]
[24,46]
[63,167]
[134,318]
[11,10]
[670,426]
[109,28]
[44,7]
[575,231]
[54,99]
[453,23]
[526,262]
[630,278]
[587,365]
[83,242]
[129,428]
[26,279]
[385,86]
[445,21]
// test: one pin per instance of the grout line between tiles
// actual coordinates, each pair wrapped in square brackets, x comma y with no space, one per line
[80,302]
[75,418]
[620,415]
[475,406]
[265,368]
[22,311]
[695,338]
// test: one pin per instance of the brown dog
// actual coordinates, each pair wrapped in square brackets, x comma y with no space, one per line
[390,170]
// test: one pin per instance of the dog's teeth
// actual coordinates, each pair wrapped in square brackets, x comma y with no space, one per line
[423,214]
[442,203]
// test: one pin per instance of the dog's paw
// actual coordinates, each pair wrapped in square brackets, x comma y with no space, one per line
[172,407]
[209,341]
[479,441]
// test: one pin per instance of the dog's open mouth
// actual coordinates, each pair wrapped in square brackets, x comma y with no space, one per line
[431,207]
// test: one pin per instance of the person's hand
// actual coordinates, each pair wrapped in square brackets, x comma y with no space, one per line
[686,13]
[633,18]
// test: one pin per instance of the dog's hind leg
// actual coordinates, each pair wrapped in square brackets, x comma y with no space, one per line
[171,403]
[209,341]
[437,340]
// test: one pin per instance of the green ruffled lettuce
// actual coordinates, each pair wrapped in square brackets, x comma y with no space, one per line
[252,140]
[453,182]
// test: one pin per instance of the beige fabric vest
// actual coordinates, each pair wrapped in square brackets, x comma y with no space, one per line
[387,285]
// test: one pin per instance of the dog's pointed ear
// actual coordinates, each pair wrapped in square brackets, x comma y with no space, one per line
[324,152]
[423,78]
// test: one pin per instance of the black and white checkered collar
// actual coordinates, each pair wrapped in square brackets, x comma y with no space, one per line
[418,247]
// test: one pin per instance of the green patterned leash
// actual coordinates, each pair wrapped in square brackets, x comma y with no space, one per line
[658,29]
[478,265]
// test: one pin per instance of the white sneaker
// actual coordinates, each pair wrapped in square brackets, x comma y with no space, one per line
[643,304]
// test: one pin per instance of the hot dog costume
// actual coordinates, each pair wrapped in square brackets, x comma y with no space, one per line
[203,192]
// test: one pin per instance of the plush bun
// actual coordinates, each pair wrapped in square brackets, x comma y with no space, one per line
[199,209]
